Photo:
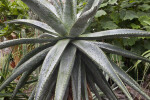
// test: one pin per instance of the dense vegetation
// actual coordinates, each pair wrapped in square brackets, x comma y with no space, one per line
[112,14]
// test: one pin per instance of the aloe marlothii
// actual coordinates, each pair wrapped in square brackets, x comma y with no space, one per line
[69,56]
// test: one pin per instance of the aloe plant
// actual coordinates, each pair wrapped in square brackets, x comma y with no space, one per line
[71,58]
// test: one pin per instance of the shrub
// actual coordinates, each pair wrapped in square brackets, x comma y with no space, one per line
[69,57]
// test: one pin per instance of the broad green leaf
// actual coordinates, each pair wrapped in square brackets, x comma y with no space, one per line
[100,80]
[135,26]
[100,59]
[130,14]
[119,51]
[32,63]
[130,41]
[76,79]
[36,24]
[100,13]
[69,14]
[47,15]
[115,16]
[109,25]
[80,25]
[49,65]
[14,42]
[126,78]
[65,70]
[116,33]
[144,20]
[144,7]
[112,2]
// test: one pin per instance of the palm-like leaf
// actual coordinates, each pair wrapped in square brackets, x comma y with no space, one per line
[64,41]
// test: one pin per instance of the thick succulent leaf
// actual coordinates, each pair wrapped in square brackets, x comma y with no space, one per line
[36,24]
[48,87]
[93,88]
[81,22]
[100,59]
[88,5]
[117,50]
[14,42]
[22,81]
[51,90]
[58,8]
[33,53]
[43,10]
[130,81]
[69,14]
[32,95]
[66,93]
[46,35]
[116,33]
[49,65]
[99,80]
[65,70]
[33,62]
[76,79]
[84,91]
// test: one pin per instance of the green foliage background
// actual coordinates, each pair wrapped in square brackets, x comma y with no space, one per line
[11,10]
[112,14]
[133,14]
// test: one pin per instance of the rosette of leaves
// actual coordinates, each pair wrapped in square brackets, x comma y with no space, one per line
[71,59]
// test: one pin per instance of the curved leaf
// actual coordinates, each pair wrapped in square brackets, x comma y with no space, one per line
[46,35]
[36,24]
[88,5]
[76,79]
[116,33]
[66,93]
[47,15]
[22,81]
[51,90]
[65,70]
[81,22]
[13,42]
[58,8]
[49,86]
[93,88]
[69,14]
[117,50]
[32,53]
[100,59]
[126,78]
[49,65]
[33,62]
[84,91]
[99,79]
